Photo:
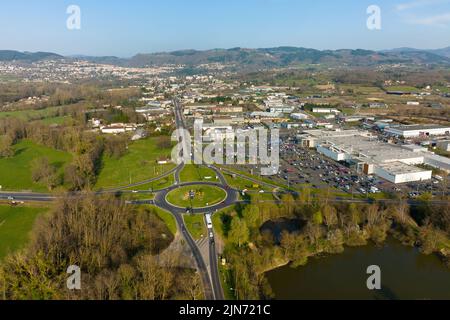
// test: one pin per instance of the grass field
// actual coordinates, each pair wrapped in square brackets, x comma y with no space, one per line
[137,165]
[204,196]
[15,225]
[55,120]
[196,226]
[194,173]
[242,184]
[156,185]
[15,172]
[361,90]
[255,177]
[31,114]
[402,88]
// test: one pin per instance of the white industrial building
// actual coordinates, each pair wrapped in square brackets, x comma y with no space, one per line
[325,110]
[414,131]
[117,128]
[299,116]
[371,156]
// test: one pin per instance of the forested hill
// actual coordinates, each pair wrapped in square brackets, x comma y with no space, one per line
[257,58]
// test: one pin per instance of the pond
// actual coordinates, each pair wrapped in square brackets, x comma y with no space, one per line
[405,274]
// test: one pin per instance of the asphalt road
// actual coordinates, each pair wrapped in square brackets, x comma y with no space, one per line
[212,286]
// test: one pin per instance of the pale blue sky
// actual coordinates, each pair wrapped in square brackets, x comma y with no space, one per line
[124,28]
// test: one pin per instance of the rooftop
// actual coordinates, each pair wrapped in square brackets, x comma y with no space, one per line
[419,127]
[397,168]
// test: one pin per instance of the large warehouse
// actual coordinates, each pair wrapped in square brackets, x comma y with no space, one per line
[369,155]
[414,131]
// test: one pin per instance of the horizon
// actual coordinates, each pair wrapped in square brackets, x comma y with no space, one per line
[76,55]
[112,28]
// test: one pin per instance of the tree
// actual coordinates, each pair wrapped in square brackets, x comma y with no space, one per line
[194,288]
[288,202]
[354,213]
[318,218]
[163,142]
[252,215]
[44,172]
[305,196]
[116,146]
[239,232]
[330,215]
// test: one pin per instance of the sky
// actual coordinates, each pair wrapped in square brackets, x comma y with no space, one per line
[125,28]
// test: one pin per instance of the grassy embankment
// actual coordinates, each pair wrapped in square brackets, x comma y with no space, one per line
[138,164]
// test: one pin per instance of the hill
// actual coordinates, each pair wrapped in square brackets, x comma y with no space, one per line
[288,56]
[11,55]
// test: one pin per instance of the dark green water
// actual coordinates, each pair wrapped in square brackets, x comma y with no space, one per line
[405,274]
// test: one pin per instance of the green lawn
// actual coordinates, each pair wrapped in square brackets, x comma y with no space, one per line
[195,224]
[15,172]
[195,173]
[15,225]
[204,196]
[255,177]
[137,165]
[242,184]
[156,185]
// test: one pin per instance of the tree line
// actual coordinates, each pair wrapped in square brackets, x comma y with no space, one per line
[326,228]
[86,147]
[121,251]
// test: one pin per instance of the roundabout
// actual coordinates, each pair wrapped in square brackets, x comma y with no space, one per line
[196,197]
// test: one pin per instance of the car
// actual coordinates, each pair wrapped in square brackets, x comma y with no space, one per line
[10,198]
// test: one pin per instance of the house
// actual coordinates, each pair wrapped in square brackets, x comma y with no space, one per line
[117,128]
[163,160]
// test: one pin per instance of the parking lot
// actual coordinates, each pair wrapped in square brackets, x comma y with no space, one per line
[301,167]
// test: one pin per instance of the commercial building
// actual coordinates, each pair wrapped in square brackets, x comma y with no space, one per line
[299,116]
[228,121]
[325,110]
[282,109]
[262,114]
[369,155]
[414,131]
